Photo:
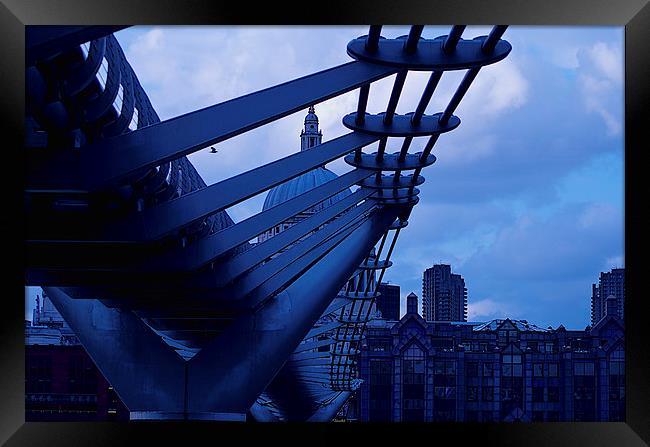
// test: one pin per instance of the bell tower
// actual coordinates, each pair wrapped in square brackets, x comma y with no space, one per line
[310,135]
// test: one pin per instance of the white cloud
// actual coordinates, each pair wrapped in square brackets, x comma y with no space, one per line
[497,88]
[600,77]
[488,309]
[614,262]
[608,60]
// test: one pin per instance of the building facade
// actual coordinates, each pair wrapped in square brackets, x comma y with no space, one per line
[501,370]
[61,381]
[444,295]
[610,283]
[388,301]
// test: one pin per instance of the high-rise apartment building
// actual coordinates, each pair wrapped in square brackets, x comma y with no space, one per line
[609,283]
[444,295]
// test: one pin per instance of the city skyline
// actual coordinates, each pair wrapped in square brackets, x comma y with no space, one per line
[32,293]
[550,203]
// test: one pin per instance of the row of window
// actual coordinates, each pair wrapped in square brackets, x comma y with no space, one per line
[102,77]
[511,367]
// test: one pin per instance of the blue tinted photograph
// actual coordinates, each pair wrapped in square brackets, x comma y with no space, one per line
[325,223]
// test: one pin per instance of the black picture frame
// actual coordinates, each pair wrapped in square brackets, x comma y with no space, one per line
[633,14]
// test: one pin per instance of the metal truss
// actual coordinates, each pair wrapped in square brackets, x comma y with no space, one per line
[125,234]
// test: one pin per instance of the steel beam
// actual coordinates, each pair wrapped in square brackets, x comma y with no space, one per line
[229,373]
[156,222]
[284,264]
[263,250]
[112,160]
[217,244]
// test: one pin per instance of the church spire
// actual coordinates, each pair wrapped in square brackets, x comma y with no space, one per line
[310,135]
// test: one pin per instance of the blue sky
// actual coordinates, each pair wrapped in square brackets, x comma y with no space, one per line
[526,199]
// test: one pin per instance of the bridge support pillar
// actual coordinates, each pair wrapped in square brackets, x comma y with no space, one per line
[222,381]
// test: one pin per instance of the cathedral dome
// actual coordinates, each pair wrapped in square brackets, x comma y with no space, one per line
[310,137]
[301,184]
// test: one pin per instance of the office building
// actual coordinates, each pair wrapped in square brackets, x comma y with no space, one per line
[500,370]
[388,302]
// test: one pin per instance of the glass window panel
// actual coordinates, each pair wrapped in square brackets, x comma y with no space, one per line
[85,49]
[579,369]
[119,99]
[102,74]
[133,125]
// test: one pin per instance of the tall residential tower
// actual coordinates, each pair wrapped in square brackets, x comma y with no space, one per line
[444,295]
[609,283]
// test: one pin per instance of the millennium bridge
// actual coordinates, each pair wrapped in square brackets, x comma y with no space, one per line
[181,312]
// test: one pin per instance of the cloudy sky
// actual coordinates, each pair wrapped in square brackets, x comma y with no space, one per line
[526,198]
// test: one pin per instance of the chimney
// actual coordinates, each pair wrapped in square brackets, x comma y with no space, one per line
[412,303]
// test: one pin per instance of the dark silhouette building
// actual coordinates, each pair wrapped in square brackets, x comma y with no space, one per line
[388,301]
[501,370]
[610,283]
[444,295]
[61,381]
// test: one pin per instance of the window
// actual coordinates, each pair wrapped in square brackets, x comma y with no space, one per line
[472,393]
[583,369]
[447,367]
[102,74]
[471,369]
[380,390]
[85,49]
[617,385]
[538,394]
[538,369]
[444,392]
[488,369]
[552,370]
[584,392]
[511,365]
[413,376]
[553,394]
[119,99]
[133,125]
[488,393]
